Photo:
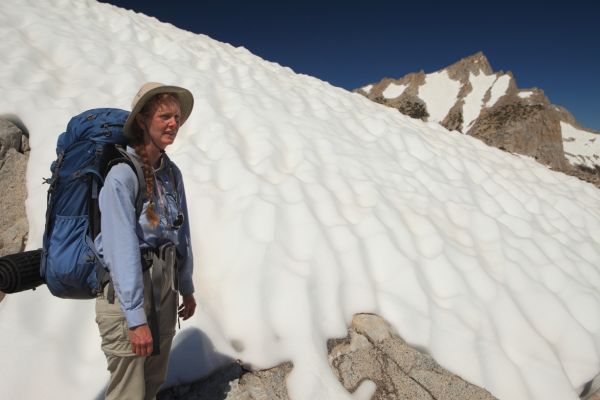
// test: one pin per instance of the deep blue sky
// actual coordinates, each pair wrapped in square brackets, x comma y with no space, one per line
[349,44]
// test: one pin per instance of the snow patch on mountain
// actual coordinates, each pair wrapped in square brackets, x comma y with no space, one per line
[581,147]
[473,102]
[439,92]
[525,94]
[367,88]
[498,90]
[393,90]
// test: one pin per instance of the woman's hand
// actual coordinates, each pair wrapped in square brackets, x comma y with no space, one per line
[141,340]
[188,307]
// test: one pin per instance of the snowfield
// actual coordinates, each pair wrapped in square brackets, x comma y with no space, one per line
[308,204]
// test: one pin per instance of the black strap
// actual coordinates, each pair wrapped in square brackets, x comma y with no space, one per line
[134,163]
[49,196]
[110,294]
[155,292]
[147,257]
[102,274]
[94,210]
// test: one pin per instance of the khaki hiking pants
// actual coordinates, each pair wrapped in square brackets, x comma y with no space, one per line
[135,377]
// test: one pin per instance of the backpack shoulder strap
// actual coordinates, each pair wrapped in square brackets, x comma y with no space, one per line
[135,164]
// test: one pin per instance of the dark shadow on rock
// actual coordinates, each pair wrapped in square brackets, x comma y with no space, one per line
[192,356]
[214,387]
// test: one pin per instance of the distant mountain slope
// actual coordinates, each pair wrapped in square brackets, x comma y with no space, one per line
[470,97]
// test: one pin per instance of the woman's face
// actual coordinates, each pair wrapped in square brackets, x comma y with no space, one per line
[162,125]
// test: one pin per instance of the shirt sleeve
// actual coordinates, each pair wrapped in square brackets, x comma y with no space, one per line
[186,262]
[121,249]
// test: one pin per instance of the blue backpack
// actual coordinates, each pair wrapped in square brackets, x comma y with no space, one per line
[92,144]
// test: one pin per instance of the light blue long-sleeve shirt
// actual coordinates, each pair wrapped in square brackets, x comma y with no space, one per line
[123,236]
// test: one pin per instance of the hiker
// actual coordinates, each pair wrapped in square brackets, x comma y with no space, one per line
[137,311]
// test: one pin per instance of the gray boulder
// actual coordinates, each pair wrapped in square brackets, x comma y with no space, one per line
[13,165]
[373,351]
[13,218]
[261,385]
[10,138]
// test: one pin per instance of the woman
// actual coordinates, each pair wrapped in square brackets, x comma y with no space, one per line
[137,312]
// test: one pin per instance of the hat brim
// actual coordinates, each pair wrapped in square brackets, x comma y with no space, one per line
[186,103]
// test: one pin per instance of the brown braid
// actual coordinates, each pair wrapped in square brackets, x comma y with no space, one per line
[149,177]
[140,149]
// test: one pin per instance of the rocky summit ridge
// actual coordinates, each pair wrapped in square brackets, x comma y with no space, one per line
[470,97]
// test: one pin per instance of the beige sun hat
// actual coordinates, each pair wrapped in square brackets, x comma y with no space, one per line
[150,89]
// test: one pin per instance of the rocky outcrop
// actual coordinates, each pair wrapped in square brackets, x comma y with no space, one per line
[475,64]
[371,351]
[10,138]
[13,164]
[487,105]
[14,153]
[526,126]
[12,203]
[407,102]
[587,174]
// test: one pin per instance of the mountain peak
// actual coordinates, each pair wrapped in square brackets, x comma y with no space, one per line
[475,63]
[470,97]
